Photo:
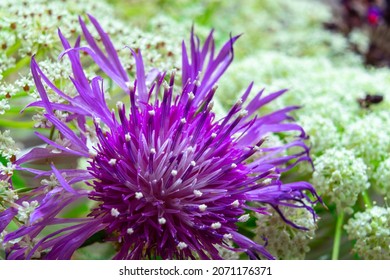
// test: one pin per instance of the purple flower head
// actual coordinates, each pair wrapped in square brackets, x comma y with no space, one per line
[166,177]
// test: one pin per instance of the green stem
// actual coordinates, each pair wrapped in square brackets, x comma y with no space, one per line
[337,236]
[16,124]
[367,199]
[20,64]
[13,49]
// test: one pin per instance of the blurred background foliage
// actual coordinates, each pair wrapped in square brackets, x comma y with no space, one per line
[302,45]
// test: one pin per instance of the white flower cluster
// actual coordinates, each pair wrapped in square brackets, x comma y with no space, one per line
[329,88]
[284,241]
[8,147]
[382,178]
[350,141]
[29,28]
[25,210]
[340,177]
[7,195]
[227,254]
[371,230]
[369,137]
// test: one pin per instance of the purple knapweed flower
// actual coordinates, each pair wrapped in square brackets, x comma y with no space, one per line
[165,177]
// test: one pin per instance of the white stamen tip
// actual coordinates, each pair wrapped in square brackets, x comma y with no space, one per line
[129,85]
[193,163]
[191,96]
[267,181]
[197,83]
[179,181]
[165,85]
[227,236]
[239,102]
[162,221]
[233,165]
[127,137]
[112,162]
[153,151]
[244,218]
[151,113]
[213,135]
[243,113]
[202,207]
[183,121]
[174,172]
[114,212]
[139,195]
[211,105]
[92,153]
[197,193]
[182,245]
[215,86]
[256,148]
[216,225]
[235,203]
[130,231]
[119,104]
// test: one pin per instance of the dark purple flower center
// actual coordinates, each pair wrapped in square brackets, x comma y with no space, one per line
[165,173]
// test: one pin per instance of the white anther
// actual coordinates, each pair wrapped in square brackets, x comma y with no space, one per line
[153,151]
[129,85]
[197,83]
[256,148]
[119,104]
[244,218]
[243,113]
[239,102]
[193,163]
[130,231]
[233,165]
[174,172]
[235,203]
[267,181]
[202,207]
[97,120]
[92,153]
[152,113]
[178,182]
[183,120]
[165,85]
[210,106]
[139,195]
[191,96]
[197,193]
[216,225]
[162,221]
[114,212]
[182,245]
[213,135]
[127,137]
[112,162]
[227,236]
